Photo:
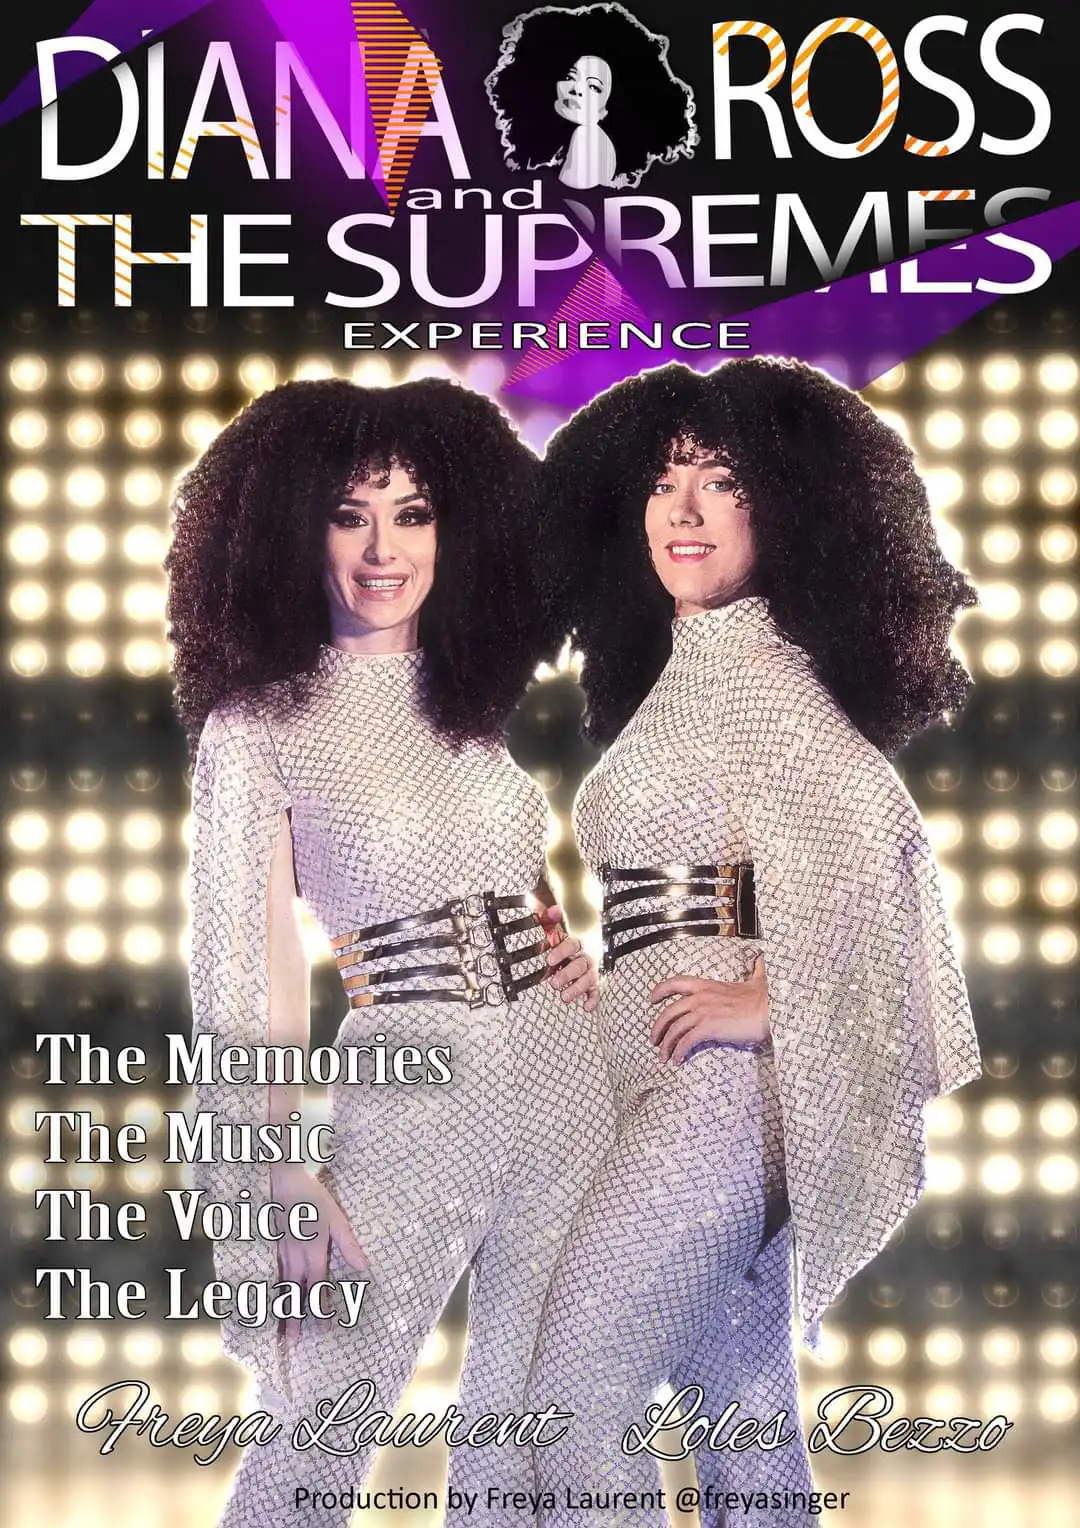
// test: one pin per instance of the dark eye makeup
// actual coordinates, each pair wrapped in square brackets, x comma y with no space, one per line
[408,515]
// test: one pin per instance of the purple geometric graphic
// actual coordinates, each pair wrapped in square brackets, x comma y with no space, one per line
[850,330]
[121,22]
[596,295]
[400,89]
[324,37]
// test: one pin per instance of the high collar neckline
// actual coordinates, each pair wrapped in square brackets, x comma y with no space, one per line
[340,660]
[691,633]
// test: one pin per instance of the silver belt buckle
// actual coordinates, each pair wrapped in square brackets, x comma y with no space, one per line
[481,936]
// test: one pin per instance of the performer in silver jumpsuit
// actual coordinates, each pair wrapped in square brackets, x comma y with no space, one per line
[783,994]
[375,766]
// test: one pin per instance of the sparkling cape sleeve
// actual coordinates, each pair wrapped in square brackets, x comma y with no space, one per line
[867,1004]
[237,797]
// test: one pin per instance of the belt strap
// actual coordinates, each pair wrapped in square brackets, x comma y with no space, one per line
[659,936]
[478,936]
[733,913]
[665,888]
[678,872]
[475,906]
[717,914]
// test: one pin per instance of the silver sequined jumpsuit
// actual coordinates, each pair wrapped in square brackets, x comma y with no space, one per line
[388,820]
[678,1268]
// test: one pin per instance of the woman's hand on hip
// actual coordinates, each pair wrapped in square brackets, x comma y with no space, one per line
[573,973]
[709,1010]
[307,1262]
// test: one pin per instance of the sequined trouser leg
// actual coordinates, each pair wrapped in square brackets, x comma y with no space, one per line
[518,1254]
[749,1355]
[652,1279]
[494,1164]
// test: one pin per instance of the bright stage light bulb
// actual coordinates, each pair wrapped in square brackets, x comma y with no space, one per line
[1057,373]
[143,487]
[1001,544]
[85,429]
[28,429]
[258,373]
[28,373]
[1057,658]
[28,545]
[28,488]
[85,601]
[1001,374]
[1057,486]
[142,373]
[142,429]
[1000,429]
[1001,945]
[199,373]
[85,544]
[28,601]
[944,373]
[1058,429]
[85,373]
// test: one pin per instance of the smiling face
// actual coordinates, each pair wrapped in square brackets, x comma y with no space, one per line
[380,563]
[698,532]
[581,96]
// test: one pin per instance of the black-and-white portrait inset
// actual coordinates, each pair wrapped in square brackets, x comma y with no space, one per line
[589,90]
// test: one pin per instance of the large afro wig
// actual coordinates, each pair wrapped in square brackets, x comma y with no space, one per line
[650,113]
[847,556]
[246,606]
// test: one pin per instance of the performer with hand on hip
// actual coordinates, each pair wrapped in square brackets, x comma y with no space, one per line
[344,674]
[764,615]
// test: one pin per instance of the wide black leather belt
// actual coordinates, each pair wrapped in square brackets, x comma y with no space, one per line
[470,948]
[731,908]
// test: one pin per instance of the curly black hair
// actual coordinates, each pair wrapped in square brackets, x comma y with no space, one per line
[846,553]
[246,606]
[650,113]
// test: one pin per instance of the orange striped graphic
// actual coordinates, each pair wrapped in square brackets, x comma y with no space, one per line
[929,147]
[250,138]
[125,256]
[967,195]
[65,225]
[401,74]
[723,34]
[890,74]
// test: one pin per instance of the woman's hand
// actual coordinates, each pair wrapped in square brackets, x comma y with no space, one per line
[574,973]
[709,1010]
[308,1261]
